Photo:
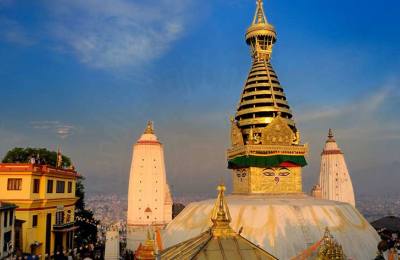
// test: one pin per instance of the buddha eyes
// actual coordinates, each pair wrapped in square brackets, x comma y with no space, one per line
[269,173]
[280,172]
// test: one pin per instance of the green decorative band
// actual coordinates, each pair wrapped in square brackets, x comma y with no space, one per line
[265,161]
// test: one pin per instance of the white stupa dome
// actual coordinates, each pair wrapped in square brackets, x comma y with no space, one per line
[284,225]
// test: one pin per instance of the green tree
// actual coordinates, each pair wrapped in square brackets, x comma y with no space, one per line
[87,231]
[23,155]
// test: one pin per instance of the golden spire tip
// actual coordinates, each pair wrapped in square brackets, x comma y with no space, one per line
[149,128]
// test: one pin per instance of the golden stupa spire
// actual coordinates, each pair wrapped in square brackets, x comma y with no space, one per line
[263,133]
[261,35]
[221,217]
[149,128]
[259,16]
[262,97]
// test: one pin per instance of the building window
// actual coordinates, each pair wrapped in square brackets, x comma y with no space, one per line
[7,240]
[36,185]
[5,218]
[70,187]
[60,187]
[11,218]
[34,220]
[50,186]
[59,217]
[14,184]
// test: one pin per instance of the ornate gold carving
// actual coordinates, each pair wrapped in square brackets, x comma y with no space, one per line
[236,134]
[274,180]
[267,150]
[278,133]
[330,248]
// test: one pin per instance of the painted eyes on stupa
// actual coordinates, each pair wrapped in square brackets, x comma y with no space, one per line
[269,173]
[284,173]
[278,172]
[241,175]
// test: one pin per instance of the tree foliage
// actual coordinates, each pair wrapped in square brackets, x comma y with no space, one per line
[87,231]
[23,155]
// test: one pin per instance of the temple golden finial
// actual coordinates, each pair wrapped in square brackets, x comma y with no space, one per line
[220,216]
[149,128]
[260,35]
[259,16]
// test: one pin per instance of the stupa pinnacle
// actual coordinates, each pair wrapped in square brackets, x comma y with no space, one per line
[262,97]
[266,156]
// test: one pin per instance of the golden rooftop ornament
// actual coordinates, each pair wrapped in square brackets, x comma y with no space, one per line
[221,217]
[149,128]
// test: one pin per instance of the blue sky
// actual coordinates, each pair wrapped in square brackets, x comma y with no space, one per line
[87,75]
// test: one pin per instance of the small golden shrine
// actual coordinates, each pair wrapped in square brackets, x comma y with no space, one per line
[330,248]
[146,251]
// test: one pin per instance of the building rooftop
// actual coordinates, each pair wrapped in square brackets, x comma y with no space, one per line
[36,168]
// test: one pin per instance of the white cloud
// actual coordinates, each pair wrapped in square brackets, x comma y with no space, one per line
[365,117]
[56,127]
[116,33]
[365,105]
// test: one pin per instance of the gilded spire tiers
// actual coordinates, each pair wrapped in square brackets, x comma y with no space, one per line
[263,97]
[266,153]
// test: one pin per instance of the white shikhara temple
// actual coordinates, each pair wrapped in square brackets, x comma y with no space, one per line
[334,178]
[268,206]
[149,198]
